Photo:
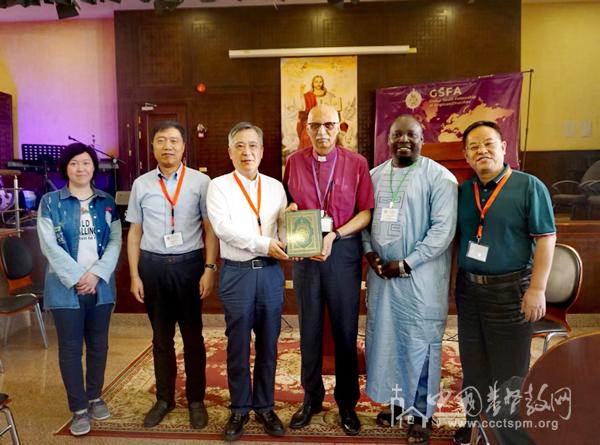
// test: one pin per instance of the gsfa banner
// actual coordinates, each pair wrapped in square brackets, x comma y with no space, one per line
[446,109]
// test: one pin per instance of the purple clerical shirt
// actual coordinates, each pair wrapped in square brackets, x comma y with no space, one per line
[351,190]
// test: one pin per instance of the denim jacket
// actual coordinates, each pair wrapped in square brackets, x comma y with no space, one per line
[58,230]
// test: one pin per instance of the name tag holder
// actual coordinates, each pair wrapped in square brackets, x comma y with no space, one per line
[326,222]
[478,251]
[173,239]
[390,214]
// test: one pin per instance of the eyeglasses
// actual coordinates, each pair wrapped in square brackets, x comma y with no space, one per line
[475,146]
[316,126]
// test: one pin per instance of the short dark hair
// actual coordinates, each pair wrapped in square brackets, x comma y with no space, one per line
[164,125]
[72,150]
[478,124]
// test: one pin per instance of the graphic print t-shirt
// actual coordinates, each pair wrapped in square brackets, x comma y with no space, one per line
[87,253]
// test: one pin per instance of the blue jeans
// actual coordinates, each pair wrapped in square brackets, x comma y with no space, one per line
[73,326]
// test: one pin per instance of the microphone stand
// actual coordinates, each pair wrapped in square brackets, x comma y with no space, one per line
[113,159]
[46,161]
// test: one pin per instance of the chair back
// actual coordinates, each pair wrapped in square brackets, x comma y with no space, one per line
[562,388]
[592,173]
[564,281]
[16,257]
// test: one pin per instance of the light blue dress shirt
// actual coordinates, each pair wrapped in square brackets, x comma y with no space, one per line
[149,207]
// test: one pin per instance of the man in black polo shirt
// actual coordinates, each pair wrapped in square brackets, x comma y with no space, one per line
[507,236]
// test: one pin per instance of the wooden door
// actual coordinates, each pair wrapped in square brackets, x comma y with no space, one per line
[148,116]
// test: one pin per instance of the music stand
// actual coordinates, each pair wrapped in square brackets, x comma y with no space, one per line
[34,152]
[47,155]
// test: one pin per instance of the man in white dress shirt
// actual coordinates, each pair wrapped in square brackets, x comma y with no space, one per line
[246,211]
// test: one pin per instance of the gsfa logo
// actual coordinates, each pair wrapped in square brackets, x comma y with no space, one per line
[445,92]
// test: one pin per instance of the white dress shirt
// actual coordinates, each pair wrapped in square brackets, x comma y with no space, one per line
[234,221]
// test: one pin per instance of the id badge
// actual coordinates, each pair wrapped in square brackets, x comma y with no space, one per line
[389,214]
[173,239]
[326,224]
[477,252]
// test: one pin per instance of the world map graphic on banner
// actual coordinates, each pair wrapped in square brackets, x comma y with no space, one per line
[446,109]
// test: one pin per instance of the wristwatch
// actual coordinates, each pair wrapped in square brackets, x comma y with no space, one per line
[338,235]
[404,269]
[211,266]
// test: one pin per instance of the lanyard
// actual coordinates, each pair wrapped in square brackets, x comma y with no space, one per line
[256,209]
[483,212]
[395,194]
[175,198]
[329,182]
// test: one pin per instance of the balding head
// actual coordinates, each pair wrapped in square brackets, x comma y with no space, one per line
[323,127]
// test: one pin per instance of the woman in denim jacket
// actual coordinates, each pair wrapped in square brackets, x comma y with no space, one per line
[80,236]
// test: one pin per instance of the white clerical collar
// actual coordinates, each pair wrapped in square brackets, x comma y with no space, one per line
[328,157]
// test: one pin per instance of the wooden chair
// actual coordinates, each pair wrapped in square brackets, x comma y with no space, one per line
[570,371]
[558,398]
[562,290]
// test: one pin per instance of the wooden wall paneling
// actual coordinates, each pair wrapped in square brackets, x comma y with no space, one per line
[218,111]
[485,38]
[160,51]
[286,29]
[6,129]
[346,29]
[126,38]
[425,29]
[584,237]
[195,44]
[210,42]
[366,127]
[266,114]
[128,144]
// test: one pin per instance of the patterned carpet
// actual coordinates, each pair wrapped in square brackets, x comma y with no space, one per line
[131,394]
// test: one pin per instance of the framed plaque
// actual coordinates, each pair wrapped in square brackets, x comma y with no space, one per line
[303,233]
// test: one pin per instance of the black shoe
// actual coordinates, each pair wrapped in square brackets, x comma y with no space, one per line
[198,415]
[349,422]
[302,417]
[157,413]
[271,423]
[384,418]
[235,426]
[462,436]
